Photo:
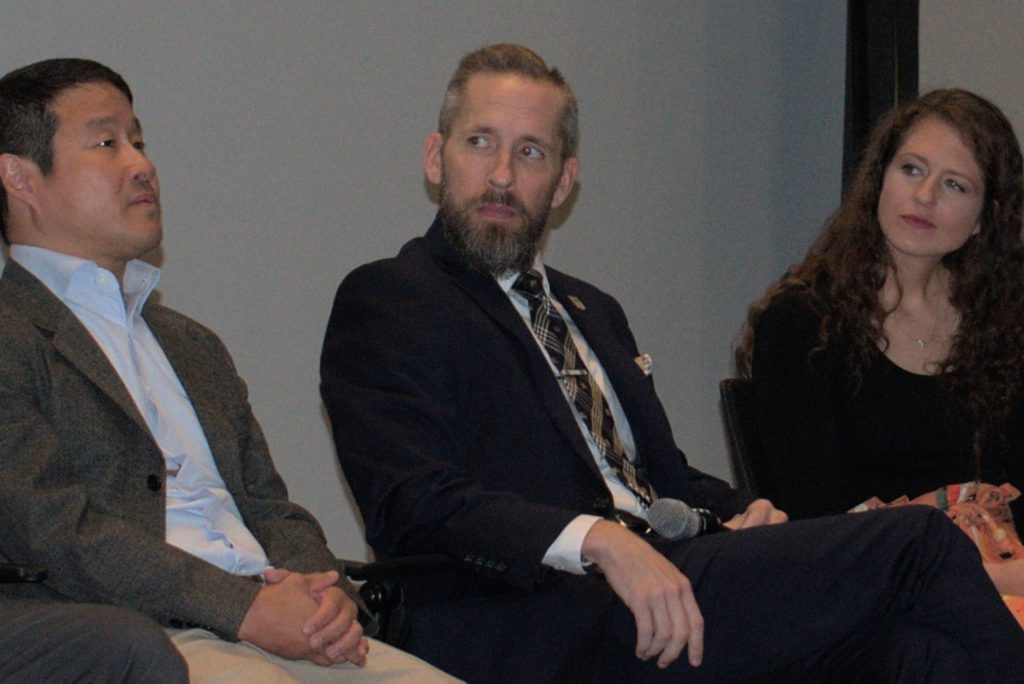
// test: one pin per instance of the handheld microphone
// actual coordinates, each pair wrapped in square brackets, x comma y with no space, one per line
[674,519]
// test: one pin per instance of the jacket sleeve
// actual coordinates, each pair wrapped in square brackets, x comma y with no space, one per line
[796,407]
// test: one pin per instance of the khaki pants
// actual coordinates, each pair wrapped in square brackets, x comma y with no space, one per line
[212,660]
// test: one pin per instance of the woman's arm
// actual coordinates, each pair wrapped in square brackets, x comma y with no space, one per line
[796,409]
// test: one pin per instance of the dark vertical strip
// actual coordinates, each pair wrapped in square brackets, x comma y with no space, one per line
[881,68]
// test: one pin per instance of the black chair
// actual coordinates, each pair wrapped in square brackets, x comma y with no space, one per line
[381,591]
[739,410]
[17,572]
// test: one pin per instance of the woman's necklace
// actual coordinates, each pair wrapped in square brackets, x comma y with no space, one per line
[916,339]
[922,341]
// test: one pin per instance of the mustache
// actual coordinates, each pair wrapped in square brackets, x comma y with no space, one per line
[501,198]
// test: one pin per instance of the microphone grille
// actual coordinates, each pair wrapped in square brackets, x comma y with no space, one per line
[673,519]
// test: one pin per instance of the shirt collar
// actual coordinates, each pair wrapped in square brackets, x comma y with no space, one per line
[70,278]
[506,281]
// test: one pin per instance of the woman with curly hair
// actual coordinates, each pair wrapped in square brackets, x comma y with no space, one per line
[890,361]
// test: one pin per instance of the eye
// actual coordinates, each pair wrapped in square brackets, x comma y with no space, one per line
[139,145]
[954,185]
[108,142]
[910,169]
[477,141]
[532,152]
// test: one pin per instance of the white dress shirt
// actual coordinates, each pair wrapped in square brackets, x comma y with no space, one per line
[565,552]
[202,517]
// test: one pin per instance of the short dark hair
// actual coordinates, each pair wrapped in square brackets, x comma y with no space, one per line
[506,58]
[27,121]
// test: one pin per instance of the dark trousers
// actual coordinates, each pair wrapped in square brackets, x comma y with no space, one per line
[887,596]
[72,642]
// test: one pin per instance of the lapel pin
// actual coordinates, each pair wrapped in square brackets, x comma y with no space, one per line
[577,303]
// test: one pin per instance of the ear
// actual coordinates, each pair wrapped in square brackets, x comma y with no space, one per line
[570,169]
[432,157]
[15,175]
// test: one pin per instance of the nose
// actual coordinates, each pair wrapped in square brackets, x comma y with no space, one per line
[924,193]
[502,174]
[141,168]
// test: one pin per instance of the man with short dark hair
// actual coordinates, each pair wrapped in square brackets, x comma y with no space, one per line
[496,410]
[132,464]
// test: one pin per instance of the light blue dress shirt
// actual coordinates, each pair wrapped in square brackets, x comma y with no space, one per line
[202,517]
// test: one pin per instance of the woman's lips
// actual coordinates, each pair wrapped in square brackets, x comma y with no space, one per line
[917,221]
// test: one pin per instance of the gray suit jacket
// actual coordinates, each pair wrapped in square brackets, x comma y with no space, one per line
[82,479]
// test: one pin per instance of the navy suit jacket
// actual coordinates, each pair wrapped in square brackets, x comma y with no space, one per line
[452,429]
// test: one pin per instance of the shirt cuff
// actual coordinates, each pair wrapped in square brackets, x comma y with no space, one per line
[566,552]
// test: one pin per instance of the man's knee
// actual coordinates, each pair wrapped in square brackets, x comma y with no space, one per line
[932,529]
[134,644]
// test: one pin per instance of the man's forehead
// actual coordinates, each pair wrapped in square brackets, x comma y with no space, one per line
[532,102]
[94,106]
[488,86]
[87,90]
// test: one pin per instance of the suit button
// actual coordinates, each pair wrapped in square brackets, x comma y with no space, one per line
[154,483]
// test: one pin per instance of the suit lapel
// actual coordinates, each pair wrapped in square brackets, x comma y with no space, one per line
[21,291]
[185,351]
[488,295]
[623,374]
[592,322]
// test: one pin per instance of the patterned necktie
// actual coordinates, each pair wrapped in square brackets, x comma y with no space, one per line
[551,330]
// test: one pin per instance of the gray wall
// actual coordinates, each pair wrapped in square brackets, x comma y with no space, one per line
[288,139]
[977,45]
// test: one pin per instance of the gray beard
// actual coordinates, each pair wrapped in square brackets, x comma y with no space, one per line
[493,248]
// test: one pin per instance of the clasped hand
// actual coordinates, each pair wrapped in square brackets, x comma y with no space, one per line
[305,616]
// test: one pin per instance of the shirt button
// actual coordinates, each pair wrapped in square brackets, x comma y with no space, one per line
[154,483]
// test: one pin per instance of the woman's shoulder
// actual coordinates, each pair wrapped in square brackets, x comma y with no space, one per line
[788,331]
[792,308]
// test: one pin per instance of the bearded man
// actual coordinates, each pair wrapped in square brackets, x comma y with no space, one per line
[488,407]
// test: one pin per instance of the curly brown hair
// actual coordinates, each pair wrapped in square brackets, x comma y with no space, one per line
[846,266]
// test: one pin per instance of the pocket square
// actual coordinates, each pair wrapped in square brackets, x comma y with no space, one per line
[645,362]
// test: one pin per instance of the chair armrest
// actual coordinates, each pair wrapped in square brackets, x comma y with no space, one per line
[16,572]
[381,591]
[396,569]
